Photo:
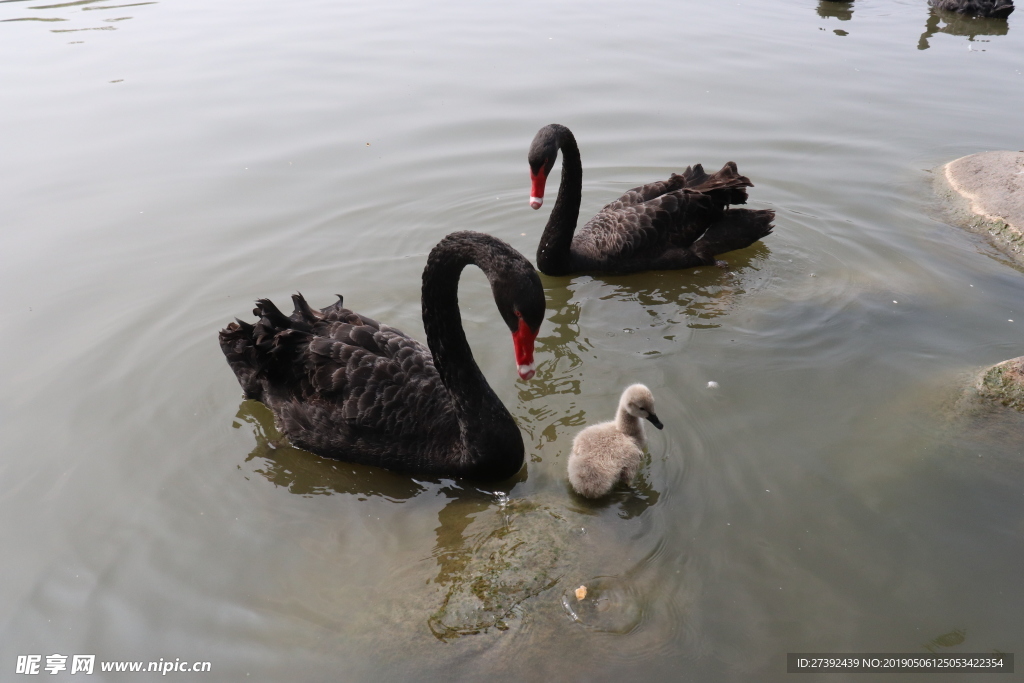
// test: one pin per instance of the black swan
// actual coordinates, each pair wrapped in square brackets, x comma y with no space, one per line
[681,222]
[345,386]
[607,453]
[998,9]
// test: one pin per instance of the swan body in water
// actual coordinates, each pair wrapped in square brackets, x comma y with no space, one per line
[607,453]
[998,9]
[681,222]
[345,386]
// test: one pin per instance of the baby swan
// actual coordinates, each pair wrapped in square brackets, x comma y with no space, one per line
[607,453]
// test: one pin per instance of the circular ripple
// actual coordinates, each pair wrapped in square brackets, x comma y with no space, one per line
[611,605]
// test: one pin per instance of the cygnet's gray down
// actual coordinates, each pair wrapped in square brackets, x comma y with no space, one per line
[606,453]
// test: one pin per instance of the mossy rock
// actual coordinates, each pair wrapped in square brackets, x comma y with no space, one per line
[1004,384]
[524,552]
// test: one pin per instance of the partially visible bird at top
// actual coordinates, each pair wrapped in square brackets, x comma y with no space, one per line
[997,9]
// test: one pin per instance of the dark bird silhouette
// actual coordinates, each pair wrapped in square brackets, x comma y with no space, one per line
[998,9]
[681,222]
[345,386]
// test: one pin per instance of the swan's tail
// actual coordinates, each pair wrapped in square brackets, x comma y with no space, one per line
[726,186]
[266,350]
[737,229]
[238,342]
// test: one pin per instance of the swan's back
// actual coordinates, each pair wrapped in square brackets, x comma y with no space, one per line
[648,224]
[979,8]
[601,457]
[344,385]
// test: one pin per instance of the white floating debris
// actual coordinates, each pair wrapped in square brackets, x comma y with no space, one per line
[895,302]
[712,385]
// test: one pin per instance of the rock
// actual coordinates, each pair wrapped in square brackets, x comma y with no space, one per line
[508,562]
[1003,383]
[985,192]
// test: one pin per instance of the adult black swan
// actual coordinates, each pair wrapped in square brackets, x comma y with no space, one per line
[681,222]
[997,9]
[345,386]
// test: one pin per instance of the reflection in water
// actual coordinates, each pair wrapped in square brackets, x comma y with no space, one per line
[306,474]
[838,9]
[692,299]
[559,375]
[493,554]
[70,11]
[632,501]
[956,24]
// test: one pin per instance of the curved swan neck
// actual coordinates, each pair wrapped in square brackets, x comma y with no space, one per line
[631,426]
[553,254]
[488,431]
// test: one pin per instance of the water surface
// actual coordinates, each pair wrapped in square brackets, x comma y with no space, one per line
[165,163]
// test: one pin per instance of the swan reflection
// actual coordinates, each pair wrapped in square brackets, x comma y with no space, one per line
[80,15]
[585,317]
[836,9]
[956,24]
[629,502]
[306,474]
[492,553]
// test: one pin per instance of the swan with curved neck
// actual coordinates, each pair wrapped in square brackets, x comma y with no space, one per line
[681,222]
[345,386]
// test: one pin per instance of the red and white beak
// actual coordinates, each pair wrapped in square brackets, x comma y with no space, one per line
[537,182]
[523,339]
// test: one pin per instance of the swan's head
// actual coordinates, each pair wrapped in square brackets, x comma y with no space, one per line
[520,299]
[543,152]
[638,401]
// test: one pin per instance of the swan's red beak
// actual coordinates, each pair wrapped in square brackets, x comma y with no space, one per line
[522,339]
[537,181]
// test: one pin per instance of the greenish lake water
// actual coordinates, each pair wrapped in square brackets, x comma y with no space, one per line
[165,163]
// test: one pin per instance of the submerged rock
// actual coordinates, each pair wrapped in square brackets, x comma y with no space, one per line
[985,192]
[1003,383]
[503,566]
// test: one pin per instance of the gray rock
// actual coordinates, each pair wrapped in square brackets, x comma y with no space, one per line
[985,192]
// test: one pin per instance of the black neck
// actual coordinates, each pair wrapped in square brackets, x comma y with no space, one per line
[553,252]
[494,446]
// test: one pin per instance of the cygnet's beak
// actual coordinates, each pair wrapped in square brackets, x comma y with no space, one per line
[655,421]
